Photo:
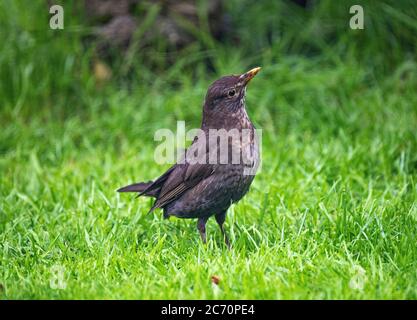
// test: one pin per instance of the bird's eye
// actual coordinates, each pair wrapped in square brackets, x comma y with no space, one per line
[231,93]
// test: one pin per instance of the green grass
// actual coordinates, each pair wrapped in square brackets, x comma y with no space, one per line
[331,215]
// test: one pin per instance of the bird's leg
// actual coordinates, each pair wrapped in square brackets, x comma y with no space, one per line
[220,221]
[201,226]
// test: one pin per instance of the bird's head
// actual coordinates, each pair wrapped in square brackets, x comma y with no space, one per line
[227,94]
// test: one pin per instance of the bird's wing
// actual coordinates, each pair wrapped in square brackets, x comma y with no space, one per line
[183,177]
[186,174]
[155,187]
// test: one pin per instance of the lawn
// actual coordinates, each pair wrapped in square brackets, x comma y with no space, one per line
[331,215]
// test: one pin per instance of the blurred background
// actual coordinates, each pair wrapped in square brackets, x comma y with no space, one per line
[122,58]
[131,49]
[79,108]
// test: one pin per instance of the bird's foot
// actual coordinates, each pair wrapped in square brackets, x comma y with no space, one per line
[201,226]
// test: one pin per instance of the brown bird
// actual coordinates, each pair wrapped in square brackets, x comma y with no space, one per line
[219,166]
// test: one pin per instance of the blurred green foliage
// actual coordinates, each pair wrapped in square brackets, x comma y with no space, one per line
[262,33]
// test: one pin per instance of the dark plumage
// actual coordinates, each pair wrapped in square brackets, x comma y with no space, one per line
[191,189]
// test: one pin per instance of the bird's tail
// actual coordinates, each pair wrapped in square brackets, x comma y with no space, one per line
[139,187]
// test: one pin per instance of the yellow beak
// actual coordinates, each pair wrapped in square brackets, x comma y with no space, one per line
[248,76]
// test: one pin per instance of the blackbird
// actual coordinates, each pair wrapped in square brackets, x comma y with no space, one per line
[209,178]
